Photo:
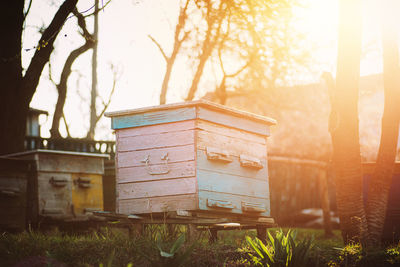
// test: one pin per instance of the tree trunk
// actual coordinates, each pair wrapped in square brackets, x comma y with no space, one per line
[93,95]
[62,87]
[180,26]
[344,125]
[211,39]
[381,179]
[17,91]
[12,115]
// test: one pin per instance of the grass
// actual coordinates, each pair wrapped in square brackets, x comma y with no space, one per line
[159,246]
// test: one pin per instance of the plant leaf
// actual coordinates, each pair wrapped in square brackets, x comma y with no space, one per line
[166,254]
[177,244]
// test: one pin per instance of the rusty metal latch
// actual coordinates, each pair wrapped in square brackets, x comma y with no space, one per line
[253,207]
[84,182]
[52,211]
[157,171]
[10,192]
[58,182]
[218,154]
[225,204]
[250,162]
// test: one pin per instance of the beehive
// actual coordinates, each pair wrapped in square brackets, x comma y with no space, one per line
[67,184]
[192,156]
[14,178]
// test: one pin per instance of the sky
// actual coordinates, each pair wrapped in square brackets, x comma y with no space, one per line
[124,26]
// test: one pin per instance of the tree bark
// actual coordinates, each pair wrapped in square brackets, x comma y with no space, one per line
[379,185]
[17,91]
[93,95]
[12,115]
[344,125]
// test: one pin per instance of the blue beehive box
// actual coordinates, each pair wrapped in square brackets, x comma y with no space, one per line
[194,156]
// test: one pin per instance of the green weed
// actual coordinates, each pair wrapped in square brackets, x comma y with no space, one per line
[281,250]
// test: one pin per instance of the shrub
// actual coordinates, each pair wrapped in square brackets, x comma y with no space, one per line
[281,250]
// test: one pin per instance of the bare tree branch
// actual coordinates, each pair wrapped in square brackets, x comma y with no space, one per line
[115,73]
[96,11]
[82,24]
[214,21]
[28,9]
[66,72]
[177,46]
[159,47]
[62,87]
[51,75]
[44,49]
[66,125]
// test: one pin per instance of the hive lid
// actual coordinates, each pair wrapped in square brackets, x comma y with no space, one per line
[58,152]
[199,103]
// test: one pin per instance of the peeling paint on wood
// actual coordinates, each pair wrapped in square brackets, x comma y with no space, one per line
[157,188]
[155,117]
[158,204]
[141,173]
[163,163]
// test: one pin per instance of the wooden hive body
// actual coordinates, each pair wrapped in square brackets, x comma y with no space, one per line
[67,184]
[195,156]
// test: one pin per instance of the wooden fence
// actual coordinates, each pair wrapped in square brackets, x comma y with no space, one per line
[297,184]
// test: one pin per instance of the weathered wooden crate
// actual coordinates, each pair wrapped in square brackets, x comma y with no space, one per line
[193,156]
[68,185]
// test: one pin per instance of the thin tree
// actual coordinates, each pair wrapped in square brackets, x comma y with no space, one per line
[220,90]
[62,86]
[93,94]
[179,38]
[214,17]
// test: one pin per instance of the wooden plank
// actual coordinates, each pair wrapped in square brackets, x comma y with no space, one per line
[233,168]
[158,204]
[231,132]
[87,195]
[70,163]
[233,121]
[158,128]
[175,154]
[117,167]
[153,117]
[157,140]
[236,203]
[51,197]
[142,173]
[13,199]
[233,145]
[237,185]
[157,188]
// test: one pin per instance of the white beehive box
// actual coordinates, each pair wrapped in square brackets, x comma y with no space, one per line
[193,156]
